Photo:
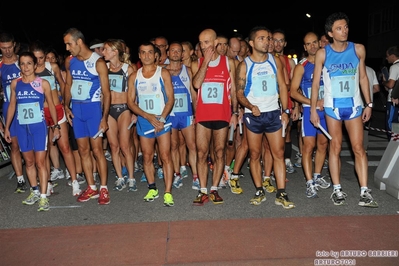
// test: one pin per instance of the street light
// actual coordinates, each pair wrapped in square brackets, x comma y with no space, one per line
[311,18]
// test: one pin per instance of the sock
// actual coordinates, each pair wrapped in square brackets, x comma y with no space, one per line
[214,188]
[195,177]
[204,190]
[36,189]
[337,187]
[316,175]
[280,192]
[362,190]
[20,178]
[259,188]
[309,182]
[93,187]
[152,186]
[101,187]
[182,168]
[288,150]
[43,196]
[266,177]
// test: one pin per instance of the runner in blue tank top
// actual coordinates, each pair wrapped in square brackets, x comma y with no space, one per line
[342,64]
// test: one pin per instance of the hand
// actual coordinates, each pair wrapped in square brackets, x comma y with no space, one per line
[255,110]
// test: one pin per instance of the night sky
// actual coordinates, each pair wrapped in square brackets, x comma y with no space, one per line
[176,26]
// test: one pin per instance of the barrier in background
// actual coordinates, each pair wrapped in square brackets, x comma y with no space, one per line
[386,176]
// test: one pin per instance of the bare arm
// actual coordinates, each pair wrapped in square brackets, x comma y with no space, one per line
[50,103]
[319,62]
[241,80]
[363,80]
[67,92]
[193,92]
[169,93]
[296,91]
[10,111]
[58,77]
[199,76]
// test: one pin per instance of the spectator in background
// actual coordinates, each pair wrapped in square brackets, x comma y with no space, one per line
[324,40]
[97,46]
[392,56]
[374,88]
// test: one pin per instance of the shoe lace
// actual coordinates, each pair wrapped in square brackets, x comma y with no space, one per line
[338,194]
[367,195]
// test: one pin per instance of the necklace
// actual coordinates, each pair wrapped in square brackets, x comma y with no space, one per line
[116,67]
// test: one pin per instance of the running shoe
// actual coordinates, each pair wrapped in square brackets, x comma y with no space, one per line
[108,156]
[196,184]
[57,173]
[289,167]
[311,190]
[258,198]
[131,185]
[234,184]
[104,197]
[283,200]
[298,160]
[183,172]
[44,205]
[267,185]
[50,189]
[200,199]
[120,184]
[21,187]
[160,173]
[87,194]
[366,200]
[151,195]
[143,178]
[76,188]
[321,182]
[177,181]
[338,197]
[168,200]
[33,197]
[215,198]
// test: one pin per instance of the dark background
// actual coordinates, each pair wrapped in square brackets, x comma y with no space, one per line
[176,24]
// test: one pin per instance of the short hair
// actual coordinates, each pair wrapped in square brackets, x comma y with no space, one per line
[332,18]
[76,34]
[6,37]
[393,50]
[29,54]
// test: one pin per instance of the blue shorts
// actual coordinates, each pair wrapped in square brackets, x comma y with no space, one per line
[87,118]
[32,137]
[308,129]
[345,113]
[142,126]
[181,121]
[14,123]
[267,122]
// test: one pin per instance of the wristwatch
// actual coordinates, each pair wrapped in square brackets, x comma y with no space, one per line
[161,119]
[56,126]
[370,104]
[287,111]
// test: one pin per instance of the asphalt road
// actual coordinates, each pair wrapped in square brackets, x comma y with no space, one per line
[129,207]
